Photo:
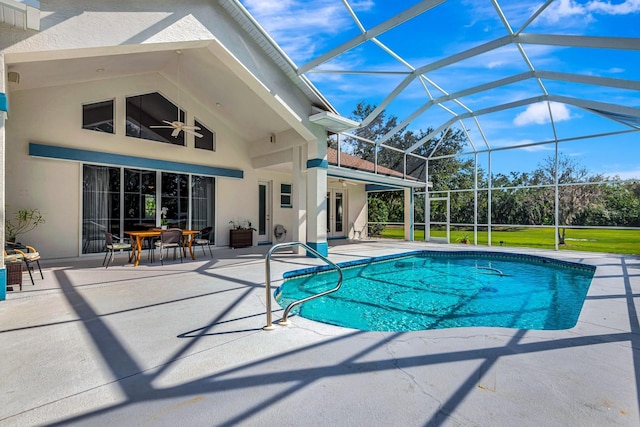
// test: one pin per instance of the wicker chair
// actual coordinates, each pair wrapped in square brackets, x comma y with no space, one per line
[170,238]
[28,255]
[111,246]
[204,238]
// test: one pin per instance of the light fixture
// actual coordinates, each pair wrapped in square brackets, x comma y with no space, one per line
[177,125]
[13,77]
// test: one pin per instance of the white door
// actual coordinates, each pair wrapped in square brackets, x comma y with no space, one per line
[336,213]
[264,212]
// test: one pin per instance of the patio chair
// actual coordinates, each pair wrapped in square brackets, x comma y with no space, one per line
[28,255]
[170,238]
[204,238]
[112,244]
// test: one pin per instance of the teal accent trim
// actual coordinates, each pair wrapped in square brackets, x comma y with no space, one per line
[286,206]
[64,153]
[3,284]
[265,243]
[4,105]
[317,163]
[321,247]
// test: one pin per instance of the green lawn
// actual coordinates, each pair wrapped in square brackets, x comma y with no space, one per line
[593,240]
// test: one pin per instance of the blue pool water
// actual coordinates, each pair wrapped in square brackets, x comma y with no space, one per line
[437,290]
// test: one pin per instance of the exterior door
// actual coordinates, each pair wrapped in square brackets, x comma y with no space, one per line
[264,212]
[336,213]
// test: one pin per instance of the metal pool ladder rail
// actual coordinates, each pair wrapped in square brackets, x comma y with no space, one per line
[284,321]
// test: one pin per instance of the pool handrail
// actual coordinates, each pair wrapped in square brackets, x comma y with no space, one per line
[284,321]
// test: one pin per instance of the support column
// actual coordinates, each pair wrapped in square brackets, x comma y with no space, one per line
[317,167]
[299,198]
[408,214]
[4,108]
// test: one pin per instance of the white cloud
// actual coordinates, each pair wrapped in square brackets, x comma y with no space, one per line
[289,21]
[625,8]
[539,114]
[560,10]
[495,64]
[541,147]
[362,5]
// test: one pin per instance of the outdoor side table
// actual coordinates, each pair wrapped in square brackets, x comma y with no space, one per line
[14,274]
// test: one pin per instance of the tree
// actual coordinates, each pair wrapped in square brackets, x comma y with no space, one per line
[618,205]
[446,173]
[572,198]
[378,215]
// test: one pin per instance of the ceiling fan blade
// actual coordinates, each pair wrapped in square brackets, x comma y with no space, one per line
[199,135]
[161,127]
[175,132]
[168,122]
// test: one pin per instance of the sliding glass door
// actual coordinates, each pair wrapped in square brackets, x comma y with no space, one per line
[175,197]
[203,192]
[118,199]
[101,205]
[139,199]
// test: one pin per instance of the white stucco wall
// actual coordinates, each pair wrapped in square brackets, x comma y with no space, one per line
[356,207]
[69,25]
[53,116]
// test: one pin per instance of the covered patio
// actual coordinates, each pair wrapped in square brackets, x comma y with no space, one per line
[85,346]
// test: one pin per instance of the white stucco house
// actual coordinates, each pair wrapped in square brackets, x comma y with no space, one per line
[86,83]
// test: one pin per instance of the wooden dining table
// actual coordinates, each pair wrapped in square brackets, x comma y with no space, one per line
[140,236]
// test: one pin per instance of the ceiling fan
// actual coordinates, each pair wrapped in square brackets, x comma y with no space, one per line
[344,182]
[177,125]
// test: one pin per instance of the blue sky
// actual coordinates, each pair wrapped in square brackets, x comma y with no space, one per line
[307,29]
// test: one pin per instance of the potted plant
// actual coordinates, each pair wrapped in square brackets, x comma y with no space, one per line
[241,233]
[24,220]
[465,239]
[163,218]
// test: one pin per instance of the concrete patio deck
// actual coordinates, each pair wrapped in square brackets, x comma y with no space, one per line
[182,344]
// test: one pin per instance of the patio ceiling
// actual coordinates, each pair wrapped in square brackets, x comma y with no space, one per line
[482,79]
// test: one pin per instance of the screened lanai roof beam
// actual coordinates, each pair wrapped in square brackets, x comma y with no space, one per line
[463,116]
[374,39]
[524,55]
[534,16]
[434,66]
[590,80]
[453,96]
[536,144]
[551,75]
[398,19]
[577,41]
[610,111]
[469,53]
[325,71]
[398,89]
[616,43]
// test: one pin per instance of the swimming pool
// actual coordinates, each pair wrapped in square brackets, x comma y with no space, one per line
[436,290]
